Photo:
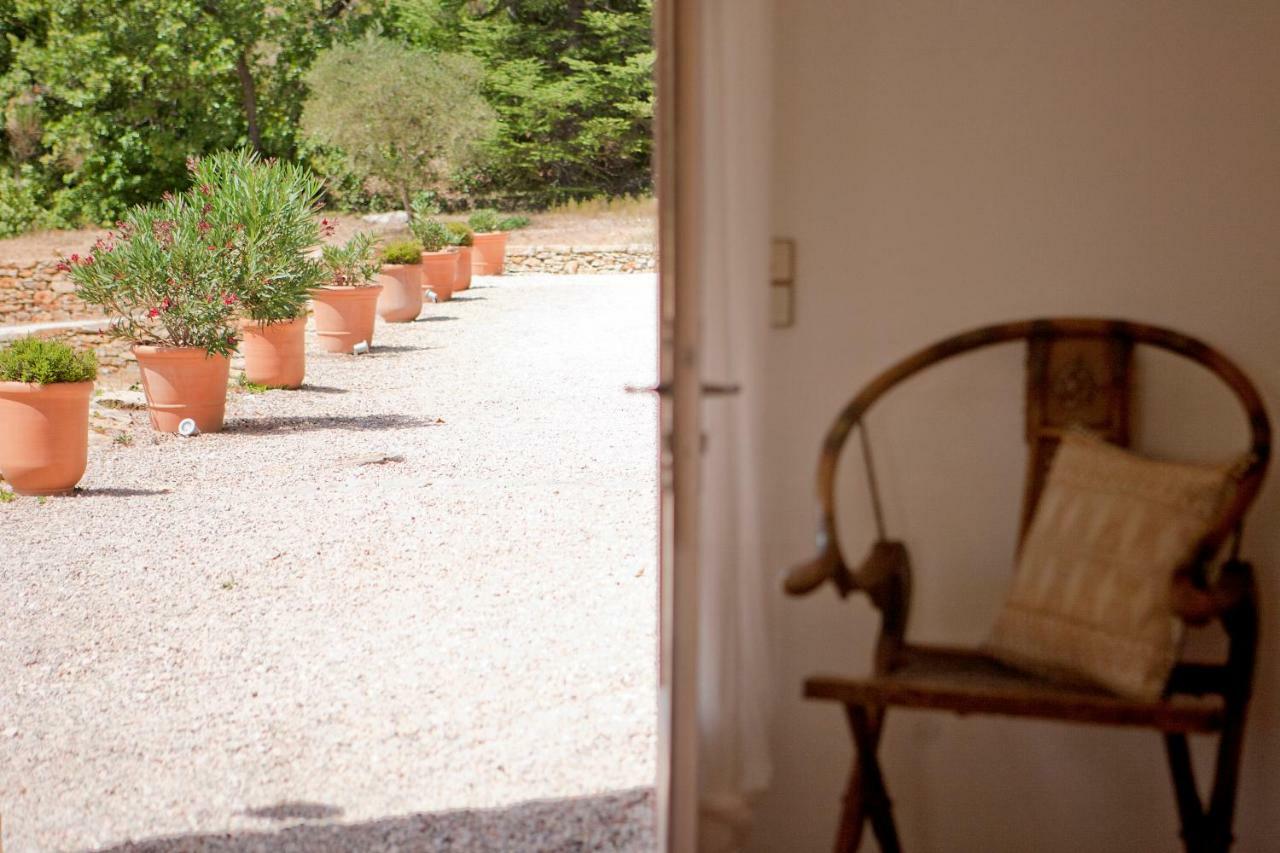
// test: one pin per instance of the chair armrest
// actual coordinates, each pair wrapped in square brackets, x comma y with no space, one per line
[1199,605]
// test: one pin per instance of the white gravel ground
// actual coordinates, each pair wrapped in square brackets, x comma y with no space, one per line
[258,640]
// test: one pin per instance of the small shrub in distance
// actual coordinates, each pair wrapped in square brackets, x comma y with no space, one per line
[484,219]
[513,223]
[432,234]
[402,252]
[459,234]
[45,363]
[352,264]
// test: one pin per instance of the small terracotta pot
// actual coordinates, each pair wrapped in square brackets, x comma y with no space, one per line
[463,281]
[181,383]
[275,354]
[44,435]
[490,252]
[439,270]
[345,316]
[401,297]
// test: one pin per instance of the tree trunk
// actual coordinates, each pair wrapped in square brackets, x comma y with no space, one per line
[249,98]
[405,200]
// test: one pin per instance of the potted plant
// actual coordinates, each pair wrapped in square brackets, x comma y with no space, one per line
[401,297]
[346,304]
[166,284]
[439,259]
[461,237]
[45,388]
[490,242]
[266,210]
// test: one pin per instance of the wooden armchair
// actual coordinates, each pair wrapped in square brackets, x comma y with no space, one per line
[1078,373]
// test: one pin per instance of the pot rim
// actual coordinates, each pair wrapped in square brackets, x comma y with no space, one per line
[69,389]
[160,351]
[248,323]
[345,289]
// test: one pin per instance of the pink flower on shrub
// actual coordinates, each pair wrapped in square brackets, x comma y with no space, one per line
[229,299]
[63,266]
[153,313]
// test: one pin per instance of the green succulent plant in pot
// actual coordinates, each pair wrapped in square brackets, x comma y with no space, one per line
[439,257]
[168,283]
[490,252]
[45,388]
[461,238]
[401,297]
[346,302]
[268,211]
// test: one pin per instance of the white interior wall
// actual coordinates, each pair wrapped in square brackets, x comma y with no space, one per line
[944,164]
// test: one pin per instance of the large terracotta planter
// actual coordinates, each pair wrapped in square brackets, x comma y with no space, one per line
[439,270]
[463,281]
[44,435]
[345,316]
[401,297]
[489,252]
[181,383]
[275,354]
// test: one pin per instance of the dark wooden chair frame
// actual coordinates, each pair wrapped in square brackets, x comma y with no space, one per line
[1078,373]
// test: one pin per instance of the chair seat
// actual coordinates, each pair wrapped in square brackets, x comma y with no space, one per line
[966,682]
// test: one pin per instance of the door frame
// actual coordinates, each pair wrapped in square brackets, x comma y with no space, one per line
[677,165]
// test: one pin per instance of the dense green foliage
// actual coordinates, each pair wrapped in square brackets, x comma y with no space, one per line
[104,100]
[45,362]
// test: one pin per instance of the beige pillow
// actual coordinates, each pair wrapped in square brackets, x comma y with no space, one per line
[1090,597]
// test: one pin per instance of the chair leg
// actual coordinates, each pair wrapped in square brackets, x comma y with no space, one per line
[867,781]
[1190,811]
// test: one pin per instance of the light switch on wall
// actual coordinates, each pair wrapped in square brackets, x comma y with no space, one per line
[782,263]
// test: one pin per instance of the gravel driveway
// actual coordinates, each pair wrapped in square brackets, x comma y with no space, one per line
[410,607]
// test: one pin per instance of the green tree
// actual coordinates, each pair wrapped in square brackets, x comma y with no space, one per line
[126,90]
[571,81]
[405,117]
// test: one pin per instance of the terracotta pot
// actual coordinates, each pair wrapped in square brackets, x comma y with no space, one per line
[401,297]
[181,383]
[463,281]
[439,270]
[44,435]
[275,354]
[490,252]
[345,316]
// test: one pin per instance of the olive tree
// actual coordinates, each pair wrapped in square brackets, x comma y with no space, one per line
[406,117]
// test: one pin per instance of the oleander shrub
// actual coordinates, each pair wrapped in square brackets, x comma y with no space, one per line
[45,362]
[402,252]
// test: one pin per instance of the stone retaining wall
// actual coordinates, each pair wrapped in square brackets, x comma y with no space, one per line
[113,353]
[585,259]
[36,292]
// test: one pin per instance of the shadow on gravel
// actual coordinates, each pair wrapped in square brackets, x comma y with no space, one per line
[294,810]
[437,319]
[617,820]
[380,349]
[324,389]
[301,423]
[467,299]
[119,493]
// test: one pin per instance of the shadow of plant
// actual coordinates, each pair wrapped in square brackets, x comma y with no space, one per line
[617,820]
[467,299]
[303,423]
[324,389]
[380,349]
[119,493]
[436,319]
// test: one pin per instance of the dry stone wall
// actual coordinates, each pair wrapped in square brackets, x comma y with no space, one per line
[587,259]
[35,292]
